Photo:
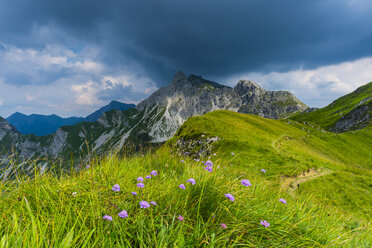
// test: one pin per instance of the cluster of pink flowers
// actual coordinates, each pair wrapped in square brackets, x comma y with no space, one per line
[143,204]
[209,167]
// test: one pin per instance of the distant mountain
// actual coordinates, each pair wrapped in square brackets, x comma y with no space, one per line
[113,105]
[40,125]
[158,117]
[350,112]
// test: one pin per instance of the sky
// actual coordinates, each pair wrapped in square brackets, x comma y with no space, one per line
[71,57]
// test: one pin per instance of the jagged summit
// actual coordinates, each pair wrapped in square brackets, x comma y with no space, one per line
[179,76]
[181,79]
[245,86]
[185,87]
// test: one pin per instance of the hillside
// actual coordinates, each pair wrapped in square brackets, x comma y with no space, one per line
[97,207]
[350,112]
[287,150]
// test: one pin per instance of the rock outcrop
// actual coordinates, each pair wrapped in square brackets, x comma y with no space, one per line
[357,118]
[269,104]
[350,112]
[6,128]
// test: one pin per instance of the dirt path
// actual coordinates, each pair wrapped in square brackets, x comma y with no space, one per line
[292,183]
[276,143]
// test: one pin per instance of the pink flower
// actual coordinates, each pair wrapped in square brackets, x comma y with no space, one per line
[116,187]
[180,218]
[123,214]
[107,217]
[265,223]
[192,181]
[144,204]
[154,173]
[246,182]
[140,185]
[230,197]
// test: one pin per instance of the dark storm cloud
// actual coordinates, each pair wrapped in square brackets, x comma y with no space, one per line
[211,38]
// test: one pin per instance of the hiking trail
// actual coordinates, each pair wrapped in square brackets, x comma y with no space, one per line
[292,183]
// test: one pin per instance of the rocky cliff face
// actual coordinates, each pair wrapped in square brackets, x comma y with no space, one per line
[158,117]
[193,96]
[269,104]
[357,118]
[6,128]
[183,98]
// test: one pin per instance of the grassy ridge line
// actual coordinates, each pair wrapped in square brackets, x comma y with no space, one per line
[46,211]
[285,148]
[328,116]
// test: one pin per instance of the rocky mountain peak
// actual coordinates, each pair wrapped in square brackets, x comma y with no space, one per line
[248,84]
[248,87]
[179,76]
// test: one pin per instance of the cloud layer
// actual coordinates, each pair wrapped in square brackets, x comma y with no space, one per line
[58,80]
[68,57]
[317,87]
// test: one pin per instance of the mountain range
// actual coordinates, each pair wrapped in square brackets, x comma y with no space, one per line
[40,125]
[157,118]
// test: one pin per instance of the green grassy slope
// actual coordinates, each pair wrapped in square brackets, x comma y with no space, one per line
[330,209]
[328,116]
[286,149]
[68,211]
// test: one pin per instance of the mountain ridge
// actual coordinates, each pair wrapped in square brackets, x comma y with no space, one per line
[113,105]
[158,117]
[41,125]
